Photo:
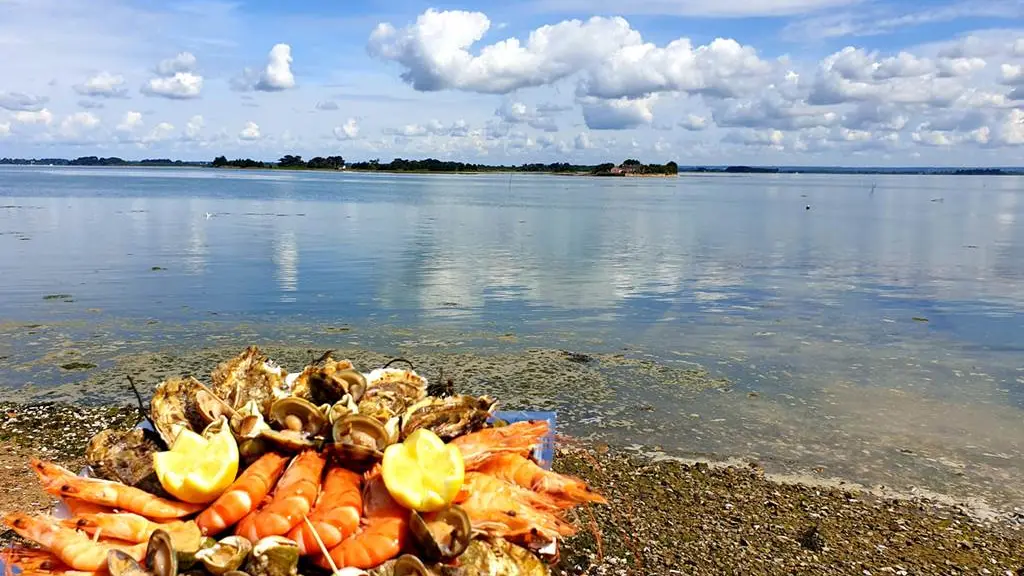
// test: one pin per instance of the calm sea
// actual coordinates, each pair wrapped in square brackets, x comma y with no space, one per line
[869,325]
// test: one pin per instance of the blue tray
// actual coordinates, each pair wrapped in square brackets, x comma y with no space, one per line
[545,453]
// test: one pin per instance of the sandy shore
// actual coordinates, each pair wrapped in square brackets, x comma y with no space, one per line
[664,517]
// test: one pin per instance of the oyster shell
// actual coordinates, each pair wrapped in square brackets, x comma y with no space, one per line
[448,417]
[173,408]
[126,457]
[383,405]
[274,556]
[297,415]
[249,376]
[441,536]
[358,440]
[499,556]
[224,556]
[327,380]
[408,385]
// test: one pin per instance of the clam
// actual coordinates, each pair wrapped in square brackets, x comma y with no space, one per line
[294,414]
[121,564]
[274,556]
[249,376]
[359,440]
[212,407]
[173,408]
[406,383]
[441,536]
[224,556]
[160,559]
[342,408]
[289,441]
[448,417]
[409,565]
[327,380]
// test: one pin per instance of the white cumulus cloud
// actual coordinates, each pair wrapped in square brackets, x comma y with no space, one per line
[693,123]
[194,127]
[160,133]
[347,131]
[130,121]
[43,116]
[78,123]
[5,129]
[274,77]
[617,114]
[250,132]
[103,85]
[183,62]
[181,86]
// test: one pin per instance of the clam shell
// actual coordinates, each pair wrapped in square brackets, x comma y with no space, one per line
[121,564]
[274,556]
[441,536]
[297,415]
[161,559]
[358,440]
[224,556]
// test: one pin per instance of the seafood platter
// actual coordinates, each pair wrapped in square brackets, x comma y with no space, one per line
[328,470]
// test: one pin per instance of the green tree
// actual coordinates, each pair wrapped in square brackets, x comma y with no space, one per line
[220,161]
[671,168]
[289,161]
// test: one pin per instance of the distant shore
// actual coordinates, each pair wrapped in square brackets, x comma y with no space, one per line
[557,169]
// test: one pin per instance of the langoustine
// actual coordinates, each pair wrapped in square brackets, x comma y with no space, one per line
[526,473]
[518,438]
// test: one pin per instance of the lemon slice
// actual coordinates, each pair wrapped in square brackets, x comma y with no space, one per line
[423,473]
[197,469]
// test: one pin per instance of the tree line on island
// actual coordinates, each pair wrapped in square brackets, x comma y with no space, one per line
[628,167]
[293,162]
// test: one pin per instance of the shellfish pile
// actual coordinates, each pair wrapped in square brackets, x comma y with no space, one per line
[311,490]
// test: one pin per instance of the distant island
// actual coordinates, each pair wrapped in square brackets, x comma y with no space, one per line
[629,167]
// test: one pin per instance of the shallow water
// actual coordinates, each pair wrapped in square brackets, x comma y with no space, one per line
[877,336]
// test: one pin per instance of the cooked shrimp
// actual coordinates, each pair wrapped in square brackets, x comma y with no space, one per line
[517,438]
[244,495]
[382,533]
[292,500]
[132,527]
[335,515]
[59,481]
[71,547]
[502,509]
[497,487]
[31,561]
[77,507]
[526,473]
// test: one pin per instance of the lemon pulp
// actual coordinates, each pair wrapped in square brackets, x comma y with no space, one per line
[423,473]
[198,469]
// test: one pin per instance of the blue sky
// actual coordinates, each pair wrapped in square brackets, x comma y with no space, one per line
[860,82]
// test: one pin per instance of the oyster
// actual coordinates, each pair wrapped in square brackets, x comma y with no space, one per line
[297,415]
[448,417]
[358,440]
[249,376]
[274,556]
[173,408]
[383,406]
[126,457]
[408,385]
[248,426]
[499,556]
[441,536]
[224,556]
[327,380]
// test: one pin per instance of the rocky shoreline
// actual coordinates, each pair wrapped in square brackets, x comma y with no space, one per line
[664,517]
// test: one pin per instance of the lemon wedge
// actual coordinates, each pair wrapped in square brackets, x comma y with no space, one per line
[197,469]
[423,473]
